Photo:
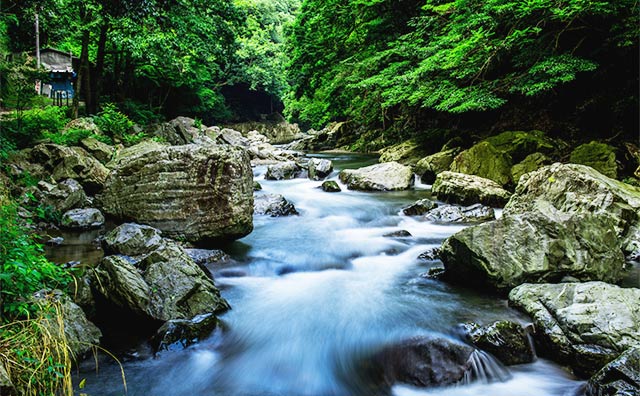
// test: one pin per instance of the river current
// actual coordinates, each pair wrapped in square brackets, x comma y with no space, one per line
[313,295]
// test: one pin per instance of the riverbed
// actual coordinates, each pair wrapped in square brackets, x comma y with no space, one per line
[313,296]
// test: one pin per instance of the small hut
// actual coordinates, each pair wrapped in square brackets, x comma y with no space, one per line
[60,65]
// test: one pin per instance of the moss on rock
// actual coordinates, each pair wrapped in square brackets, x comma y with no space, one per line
[599,156]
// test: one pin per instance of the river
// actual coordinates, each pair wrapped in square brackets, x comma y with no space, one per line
[319,293]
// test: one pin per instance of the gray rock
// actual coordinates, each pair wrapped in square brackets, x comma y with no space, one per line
[199,193]
[101,151]
[564,220]
[132,239]
[398,234]
[486,161]
[204,257]
[57,241]
[178,131]
[407,152]
[464,189]
[162,285]
[531,163]
[584,325]
[429,167]
[277,131]
[63,196]
[330,186]
[621,377]
[419,207]
[319,169]
[274,205]
[423,362]
[82,219]
[71,163]
[461,214]
[507,341]
[283,171]
[178,334]
[81,335]
[533,247]
[389,176]
[430,255]
[233,137]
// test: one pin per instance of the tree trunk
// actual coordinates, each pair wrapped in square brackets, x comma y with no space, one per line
[82,79]
[96,86]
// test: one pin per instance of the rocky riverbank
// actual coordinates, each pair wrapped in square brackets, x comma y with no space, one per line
[568,233]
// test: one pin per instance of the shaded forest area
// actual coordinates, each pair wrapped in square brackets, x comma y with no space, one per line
[418,67]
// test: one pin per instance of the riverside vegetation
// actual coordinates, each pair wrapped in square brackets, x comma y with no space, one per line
[505,132]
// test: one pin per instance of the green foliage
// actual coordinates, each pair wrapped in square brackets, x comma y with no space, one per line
[24,269]
[139,113]
[112,122]
[133,138]
[71,137]
[367,61]
[23,128]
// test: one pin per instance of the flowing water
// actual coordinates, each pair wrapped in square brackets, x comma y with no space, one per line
[314,295]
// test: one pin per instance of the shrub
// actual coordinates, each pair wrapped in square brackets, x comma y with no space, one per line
[139,113]
[24,269]
[31,125]
[70,137]
[112,122]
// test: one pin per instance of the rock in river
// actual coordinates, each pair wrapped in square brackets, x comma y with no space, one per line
[274,205]
[618,378]
[564,220]
[82,219]
[319,168]
[464,189]
[198,193]
[388,176]
[585,325]
[505,340]
[461,214]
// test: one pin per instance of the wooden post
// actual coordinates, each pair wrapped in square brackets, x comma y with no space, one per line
[38,82]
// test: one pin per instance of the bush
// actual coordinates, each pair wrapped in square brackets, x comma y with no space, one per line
[30,125]
[24,269]
[112,122]
[70,137]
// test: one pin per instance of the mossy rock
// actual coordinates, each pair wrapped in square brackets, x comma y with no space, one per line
[532,163]
[407,153]
[429,167]
[486,161]
[599,156]
[520,144]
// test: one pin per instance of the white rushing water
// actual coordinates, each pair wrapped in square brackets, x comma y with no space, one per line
[321,293]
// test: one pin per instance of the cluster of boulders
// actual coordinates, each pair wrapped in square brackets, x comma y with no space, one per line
[565,230]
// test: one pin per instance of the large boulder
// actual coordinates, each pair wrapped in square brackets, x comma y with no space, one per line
[531,163]
[519,144]
[389,176]
[407,153]
[429,167]
[194,192]
[274,205]
[585,325]
[63,196]
[533,247]
[283,171]
[507,341]
[319,168]
[71,163]
[162,285]
[618,378]
[564,220]
[599,156]
[465,189]
[82,219]
[486,161]
[576,189]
